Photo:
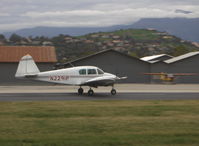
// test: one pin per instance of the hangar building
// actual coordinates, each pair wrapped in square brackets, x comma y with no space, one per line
[109,60]
[187,63]
[44,56]
[118,63]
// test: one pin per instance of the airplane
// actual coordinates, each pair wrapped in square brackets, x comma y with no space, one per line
[79,76]
[169,77]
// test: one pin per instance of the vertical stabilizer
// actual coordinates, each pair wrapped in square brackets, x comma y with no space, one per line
[27,67]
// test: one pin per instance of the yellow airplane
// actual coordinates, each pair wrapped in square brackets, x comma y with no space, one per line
[169,77]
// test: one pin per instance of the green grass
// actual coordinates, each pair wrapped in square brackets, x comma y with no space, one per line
[105,123]
[138,34]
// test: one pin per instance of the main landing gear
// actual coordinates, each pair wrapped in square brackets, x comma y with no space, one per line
[91,92]
[80,91]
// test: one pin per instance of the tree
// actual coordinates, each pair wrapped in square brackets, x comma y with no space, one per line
[2,37]
[179,50]
[15,38]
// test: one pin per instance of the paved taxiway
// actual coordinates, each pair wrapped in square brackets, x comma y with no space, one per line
[97,96]
[125,92]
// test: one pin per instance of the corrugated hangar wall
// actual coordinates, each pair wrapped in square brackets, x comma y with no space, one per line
[119,64]
[116,63]
[188,65]
[44,56]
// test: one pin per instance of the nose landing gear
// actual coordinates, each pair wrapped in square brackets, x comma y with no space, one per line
[113,92]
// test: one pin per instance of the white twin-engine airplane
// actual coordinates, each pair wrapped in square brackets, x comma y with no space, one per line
[79,76]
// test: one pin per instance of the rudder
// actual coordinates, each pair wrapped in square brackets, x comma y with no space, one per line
[26,67]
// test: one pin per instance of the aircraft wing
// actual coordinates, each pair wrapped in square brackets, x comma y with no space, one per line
[99,81]
[172,74]
[185,74]
[154,74]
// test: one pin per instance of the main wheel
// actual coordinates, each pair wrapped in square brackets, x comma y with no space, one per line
[80,91]
[113,92]
[90,92]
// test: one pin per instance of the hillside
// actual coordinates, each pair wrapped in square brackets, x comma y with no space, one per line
[184,28]
[135,42]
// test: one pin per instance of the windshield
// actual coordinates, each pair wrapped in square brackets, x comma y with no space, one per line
[100,71]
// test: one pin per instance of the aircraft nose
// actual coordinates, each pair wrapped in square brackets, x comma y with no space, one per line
[109,74]
[112,75]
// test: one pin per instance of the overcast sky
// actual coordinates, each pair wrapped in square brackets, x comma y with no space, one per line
[17,14]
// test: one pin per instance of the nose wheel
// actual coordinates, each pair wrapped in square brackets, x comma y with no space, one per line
[113,92]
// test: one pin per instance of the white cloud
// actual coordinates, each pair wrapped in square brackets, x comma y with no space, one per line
[4,14]
[104,17]
[63,13]
[18,14]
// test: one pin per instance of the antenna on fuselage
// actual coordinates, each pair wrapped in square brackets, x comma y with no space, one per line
[71,64]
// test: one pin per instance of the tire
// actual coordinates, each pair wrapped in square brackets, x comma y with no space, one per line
[90,92]
[113,92]
[80,91]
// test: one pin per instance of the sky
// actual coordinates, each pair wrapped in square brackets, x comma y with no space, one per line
[18,14]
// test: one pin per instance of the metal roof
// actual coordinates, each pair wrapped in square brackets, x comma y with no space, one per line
[39,53]
[181,57]
[101,52]
[148,58]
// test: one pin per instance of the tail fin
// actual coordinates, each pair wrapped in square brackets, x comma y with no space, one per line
[26,67]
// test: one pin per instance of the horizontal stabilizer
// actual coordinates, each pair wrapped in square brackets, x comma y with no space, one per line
[30,75]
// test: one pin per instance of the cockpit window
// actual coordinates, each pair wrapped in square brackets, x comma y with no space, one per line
[100,71]
[82,71]
[92,71]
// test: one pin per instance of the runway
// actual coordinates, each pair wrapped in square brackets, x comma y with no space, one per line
[97,96]
[124,92]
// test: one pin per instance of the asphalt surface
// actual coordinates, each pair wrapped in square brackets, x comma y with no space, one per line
[124,92]
[97,96]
